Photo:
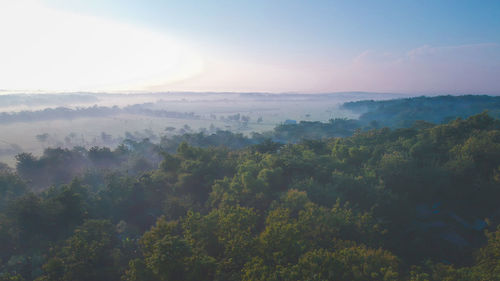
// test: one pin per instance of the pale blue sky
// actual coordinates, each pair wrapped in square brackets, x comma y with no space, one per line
[419,46]
[309,24]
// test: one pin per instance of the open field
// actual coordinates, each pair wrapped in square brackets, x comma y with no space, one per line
[244,113]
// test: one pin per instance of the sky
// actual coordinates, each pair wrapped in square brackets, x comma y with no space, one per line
[416,47]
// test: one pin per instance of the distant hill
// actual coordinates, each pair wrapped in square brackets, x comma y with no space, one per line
[440,109]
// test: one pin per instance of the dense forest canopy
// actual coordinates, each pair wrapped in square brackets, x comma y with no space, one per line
[404,112]
[341,200]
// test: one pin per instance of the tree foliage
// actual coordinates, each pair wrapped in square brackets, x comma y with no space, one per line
[417,203]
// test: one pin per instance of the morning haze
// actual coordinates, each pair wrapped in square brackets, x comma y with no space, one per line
[249,140]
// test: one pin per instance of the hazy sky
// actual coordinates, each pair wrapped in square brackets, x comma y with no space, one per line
[421,46]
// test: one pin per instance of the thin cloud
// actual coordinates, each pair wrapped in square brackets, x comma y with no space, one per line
[427,69]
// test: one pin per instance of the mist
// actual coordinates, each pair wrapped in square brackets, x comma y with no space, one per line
[33,122]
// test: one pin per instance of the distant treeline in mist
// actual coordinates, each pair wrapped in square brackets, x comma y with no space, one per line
[11,100]
[398,113]
[283,133]
[90,112]
[395,113]
[404,112]
[80,159]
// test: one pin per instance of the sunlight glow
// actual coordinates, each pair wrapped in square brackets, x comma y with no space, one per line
[51,50]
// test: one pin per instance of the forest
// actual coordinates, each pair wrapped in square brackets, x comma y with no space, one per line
[391,196]
[439,109]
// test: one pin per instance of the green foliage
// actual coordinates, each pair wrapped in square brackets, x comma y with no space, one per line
[349,262]
[92,253]
[404,204]
[11,187]
[488,258]
[441,109]
[8,277]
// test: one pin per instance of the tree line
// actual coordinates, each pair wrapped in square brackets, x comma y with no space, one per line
[415,203]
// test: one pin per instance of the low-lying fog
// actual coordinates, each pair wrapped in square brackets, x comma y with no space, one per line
[32,122]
